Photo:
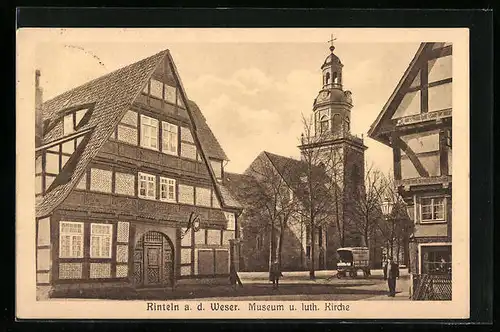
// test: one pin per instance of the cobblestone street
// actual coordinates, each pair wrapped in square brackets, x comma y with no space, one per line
[293,286]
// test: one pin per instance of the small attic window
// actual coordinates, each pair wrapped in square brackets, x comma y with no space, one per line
[75,118]
[166,92]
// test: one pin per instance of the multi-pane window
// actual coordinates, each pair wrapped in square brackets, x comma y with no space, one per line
[149,132]
[51,161]
[432,209]
[70,239]
[147,186]
[167,189]
[169,138]
[100,240]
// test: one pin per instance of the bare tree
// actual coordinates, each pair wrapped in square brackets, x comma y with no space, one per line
[273,198]
[321,185]
[397,227]
[365,212]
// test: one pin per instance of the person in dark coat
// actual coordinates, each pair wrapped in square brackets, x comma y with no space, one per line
[275,274]
[391,273]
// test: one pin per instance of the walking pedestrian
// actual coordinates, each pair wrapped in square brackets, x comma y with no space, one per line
[275,273]
[391,273]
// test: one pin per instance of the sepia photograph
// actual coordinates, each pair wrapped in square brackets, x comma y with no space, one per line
[243,173]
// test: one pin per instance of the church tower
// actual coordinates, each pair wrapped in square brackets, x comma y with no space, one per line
[340,152]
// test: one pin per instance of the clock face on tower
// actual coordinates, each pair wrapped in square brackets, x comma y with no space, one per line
[324,95]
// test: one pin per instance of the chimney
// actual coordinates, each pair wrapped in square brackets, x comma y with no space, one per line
[38,110]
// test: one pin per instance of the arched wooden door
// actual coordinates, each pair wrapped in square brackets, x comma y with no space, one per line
[154,260]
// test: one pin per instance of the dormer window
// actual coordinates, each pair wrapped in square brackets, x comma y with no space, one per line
[52,159]
[73,120]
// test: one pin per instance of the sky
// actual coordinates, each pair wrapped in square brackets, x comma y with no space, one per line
[252,93]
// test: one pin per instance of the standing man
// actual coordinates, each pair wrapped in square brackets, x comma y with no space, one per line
[391,273]
[275,273]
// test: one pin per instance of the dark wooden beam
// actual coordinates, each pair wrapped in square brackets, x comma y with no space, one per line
[443,152]
[398,142]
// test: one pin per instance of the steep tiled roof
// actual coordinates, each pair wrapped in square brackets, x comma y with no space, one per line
[229,199]
[292,170]
[289,168]
[210,143]
[112,94]
[239,186]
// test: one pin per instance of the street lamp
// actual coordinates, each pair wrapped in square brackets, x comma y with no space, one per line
[386,207]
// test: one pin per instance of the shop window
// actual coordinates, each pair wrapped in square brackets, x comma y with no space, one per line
[436,259]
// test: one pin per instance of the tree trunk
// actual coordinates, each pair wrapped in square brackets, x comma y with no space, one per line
[337,220]
[311,260]
[392,239]
[271,245]
[398,250]
[280,244]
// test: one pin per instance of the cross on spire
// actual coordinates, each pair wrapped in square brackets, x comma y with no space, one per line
[331,42]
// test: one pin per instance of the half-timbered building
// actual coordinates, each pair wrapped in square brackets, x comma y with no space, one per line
[129,188]
[416,123]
